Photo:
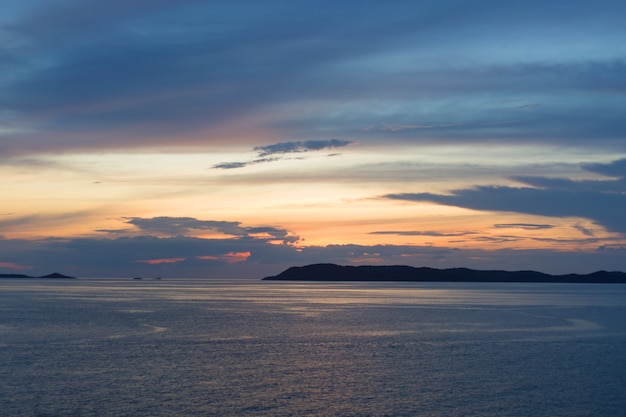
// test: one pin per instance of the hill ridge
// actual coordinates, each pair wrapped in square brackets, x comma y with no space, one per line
[334,272]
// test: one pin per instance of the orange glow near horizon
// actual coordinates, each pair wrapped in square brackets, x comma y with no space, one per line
[91,195]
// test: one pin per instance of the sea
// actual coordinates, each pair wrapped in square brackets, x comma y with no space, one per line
[206,347]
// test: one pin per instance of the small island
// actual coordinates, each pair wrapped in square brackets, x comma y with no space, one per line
[54,275]
[333,272]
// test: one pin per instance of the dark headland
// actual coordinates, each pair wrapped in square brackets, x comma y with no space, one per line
[54,275]
[332,272]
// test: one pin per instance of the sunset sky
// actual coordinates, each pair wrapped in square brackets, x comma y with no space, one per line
[236,138]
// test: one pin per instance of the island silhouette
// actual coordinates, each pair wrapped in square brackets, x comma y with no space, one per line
[53,275]
[333,272]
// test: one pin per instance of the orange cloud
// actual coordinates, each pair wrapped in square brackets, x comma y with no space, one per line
[231,257]
[162,261]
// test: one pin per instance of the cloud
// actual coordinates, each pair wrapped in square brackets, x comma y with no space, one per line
[616,185]
[186,226]
[387,127]
[499,239]
[268,153]
[600,201]
[181,226]
[232,165]
[525,226]
[300,146]
[91,75]
[68,19]
[584,230]
[235,165]
[143,255]
[252,257]
[159,246]
[528,107]
[396,128]
[161,261]
[230,258]
[420,233]
[613,169]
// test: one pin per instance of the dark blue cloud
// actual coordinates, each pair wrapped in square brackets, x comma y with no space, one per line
[232,165]
[185,226]
[128,73]
[276,151]
[181,226]
[601,201]
[139,255]
[158,246]
[614,169]
[300,146]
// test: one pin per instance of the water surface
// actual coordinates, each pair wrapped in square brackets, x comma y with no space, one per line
[234,347]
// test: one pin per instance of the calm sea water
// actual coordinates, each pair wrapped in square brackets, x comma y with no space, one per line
[256,348]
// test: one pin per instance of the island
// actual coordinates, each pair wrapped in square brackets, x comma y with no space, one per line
[54,275]
[333,272]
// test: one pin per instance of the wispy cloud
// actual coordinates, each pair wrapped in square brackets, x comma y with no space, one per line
[421,233]
[389,127]
[277,151]
[584,230]
[300,146]
[235,165]
[525,226]
[232,165]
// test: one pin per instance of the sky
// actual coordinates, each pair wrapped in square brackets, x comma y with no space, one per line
[225,139]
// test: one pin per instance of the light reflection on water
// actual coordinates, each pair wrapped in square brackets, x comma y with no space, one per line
[239,347]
